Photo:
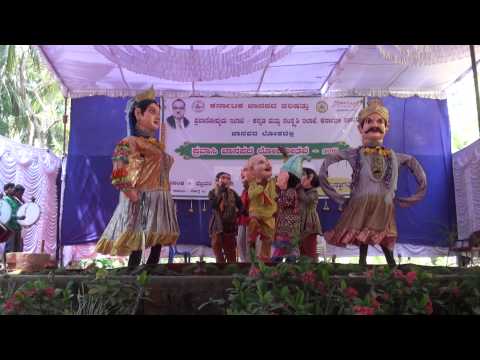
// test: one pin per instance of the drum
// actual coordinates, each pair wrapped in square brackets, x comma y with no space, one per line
[31,211]
[5,212]
[4,233]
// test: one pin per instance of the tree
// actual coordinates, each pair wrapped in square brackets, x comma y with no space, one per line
[31,103]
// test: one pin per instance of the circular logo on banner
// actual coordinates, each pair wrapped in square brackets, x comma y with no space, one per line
[322,107]
[198,106]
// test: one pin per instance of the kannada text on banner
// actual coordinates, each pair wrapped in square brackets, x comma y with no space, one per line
[208,135]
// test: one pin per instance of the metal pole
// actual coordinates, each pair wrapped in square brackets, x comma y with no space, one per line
[475,81]
[163,128]
[65,119]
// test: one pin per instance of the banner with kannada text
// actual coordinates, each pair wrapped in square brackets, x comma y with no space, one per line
[209,135]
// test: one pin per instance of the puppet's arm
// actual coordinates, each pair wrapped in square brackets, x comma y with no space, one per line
[417,170]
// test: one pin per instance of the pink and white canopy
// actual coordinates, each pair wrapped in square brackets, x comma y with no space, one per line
[246,70]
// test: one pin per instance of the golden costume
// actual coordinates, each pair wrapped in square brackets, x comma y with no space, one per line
[262,207]
[140,163]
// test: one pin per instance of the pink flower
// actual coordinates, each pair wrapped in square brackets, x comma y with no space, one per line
[308,277]
[363,310]
[386,296]
[398,274]
[456,292]
[254,272]
[321,287]
[411,277]
[29,293]
[375,304]
[429,307]
[351,293]
[50,292]
[369,274]
[9,305]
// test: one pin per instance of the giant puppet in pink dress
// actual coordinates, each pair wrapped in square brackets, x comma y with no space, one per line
[368,217]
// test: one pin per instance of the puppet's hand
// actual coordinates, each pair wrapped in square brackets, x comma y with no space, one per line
[283,151]
[402,202]
[132,195]
[343,205]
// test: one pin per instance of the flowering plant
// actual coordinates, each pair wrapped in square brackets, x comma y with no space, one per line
[392,291]
[103,295]
[36,298]
[303,288]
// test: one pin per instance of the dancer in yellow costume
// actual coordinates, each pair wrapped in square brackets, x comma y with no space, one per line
[262,195]
[145,215]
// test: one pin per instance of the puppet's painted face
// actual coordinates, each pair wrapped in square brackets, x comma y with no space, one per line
[306,181]
[150,119]
[282,180]
[224,180]
[373,129]
[260,167]
[245,174]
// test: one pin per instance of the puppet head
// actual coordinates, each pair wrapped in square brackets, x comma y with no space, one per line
[310,179]
[143,113]
[223,179]
[291,172]
[373,122]
[259,168]
[245,175]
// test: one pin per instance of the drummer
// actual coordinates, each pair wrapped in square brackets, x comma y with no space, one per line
[18,192]
[13,196]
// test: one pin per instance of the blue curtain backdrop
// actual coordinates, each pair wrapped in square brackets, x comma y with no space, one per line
[419,127]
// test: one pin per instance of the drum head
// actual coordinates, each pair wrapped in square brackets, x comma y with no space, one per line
[5,212]
[31,211]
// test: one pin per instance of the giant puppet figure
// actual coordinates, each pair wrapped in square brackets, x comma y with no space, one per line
[291,197]
[145,216]
[262,195]
[369,216]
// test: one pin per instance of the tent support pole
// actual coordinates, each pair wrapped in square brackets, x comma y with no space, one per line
[65,120]
[475,81]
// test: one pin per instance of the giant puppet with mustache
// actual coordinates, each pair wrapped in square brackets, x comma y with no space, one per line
[369,216]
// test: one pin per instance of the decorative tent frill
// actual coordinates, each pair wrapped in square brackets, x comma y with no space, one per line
[420,55]
[37,170]
[260,70]
[466,172]
[232,94]
[386,92]
[183,94]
